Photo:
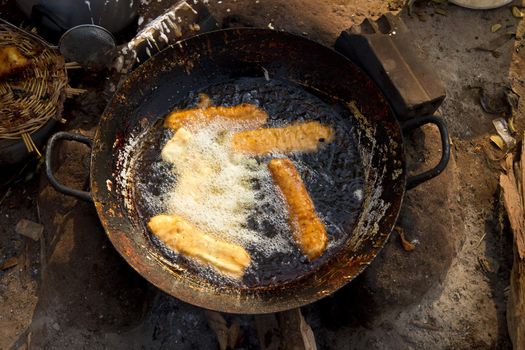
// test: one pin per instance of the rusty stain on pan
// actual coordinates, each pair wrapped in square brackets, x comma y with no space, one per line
[210,59]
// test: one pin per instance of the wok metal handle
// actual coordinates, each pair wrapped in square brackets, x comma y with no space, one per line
[86,196]
[411,124]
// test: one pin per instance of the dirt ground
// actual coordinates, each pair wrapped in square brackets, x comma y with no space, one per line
[71,289]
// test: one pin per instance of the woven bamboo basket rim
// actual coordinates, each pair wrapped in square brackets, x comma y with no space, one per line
[36,94]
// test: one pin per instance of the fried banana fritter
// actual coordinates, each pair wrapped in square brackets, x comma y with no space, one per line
[249,115]
[175,148]
[309,231]
[187,239]
[299,137]
[11,60]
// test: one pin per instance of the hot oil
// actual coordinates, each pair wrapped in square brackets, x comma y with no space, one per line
[333,176]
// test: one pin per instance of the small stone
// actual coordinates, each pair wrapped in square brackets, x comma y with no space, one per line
[56,327]
[29,229]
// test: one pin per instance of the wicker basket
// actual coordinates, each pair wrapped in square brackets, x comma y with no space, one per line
[30,98]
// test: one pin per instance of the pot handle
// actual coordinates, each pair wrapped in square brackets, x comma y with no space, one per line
[411,124]
[86,196]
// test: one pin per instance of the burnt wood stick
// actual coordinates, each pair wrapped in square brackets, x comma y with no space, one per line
[285,330]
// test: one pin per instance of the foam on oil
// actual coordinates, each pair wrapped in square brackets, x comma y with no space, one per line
[240,202]
[215,188]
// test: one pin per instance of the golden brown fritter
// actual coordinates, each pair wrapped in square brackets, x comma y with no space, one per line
[299,137]
[246,114]
[309,231]
[11,60]
[187,239]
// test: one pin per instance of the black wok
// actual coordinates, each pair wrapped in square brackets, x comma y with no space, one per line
[234,65]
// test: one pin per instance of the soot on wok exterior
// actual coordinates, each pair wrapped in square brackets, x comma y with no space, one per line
[153,89]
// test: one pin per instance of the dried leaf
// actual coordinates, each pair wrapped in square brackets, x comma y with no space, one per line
[495,27]
[11,262]
[502,127]
[407,245]
[498,141]
[441,12]
[516,12]
[512,128]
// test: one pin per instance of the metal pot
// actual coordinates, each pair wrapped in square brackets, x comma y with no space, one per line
[14,151]
[55,17]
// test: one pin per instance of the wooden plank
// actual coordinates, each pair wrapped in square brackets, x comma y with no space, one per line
[516,304]
[513,204]
[513,187]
